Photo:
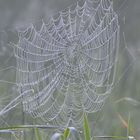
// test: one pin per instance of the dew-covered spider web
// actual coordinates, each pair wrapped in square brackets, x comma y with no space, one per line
[66,65]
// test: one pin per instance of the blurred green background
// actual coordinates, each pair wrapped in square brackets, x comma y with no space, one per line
[125,99]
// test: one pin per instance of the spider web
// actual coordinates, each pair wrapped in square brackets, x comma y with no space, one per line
[66,66]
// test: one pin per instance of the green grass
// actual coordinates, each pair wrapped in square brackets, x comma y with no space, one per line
[69,133]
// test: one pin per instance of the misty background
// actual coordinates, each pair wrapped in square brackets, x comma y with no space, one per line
[125,98]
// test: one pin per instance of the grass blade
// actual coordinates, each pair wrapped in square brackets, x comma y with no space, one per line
[86,128]
[66,133]
[37,133]
[112,137]
[30,126]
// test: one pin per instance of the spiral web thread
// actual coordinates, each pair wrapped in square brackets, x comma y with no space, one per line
[66,66]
